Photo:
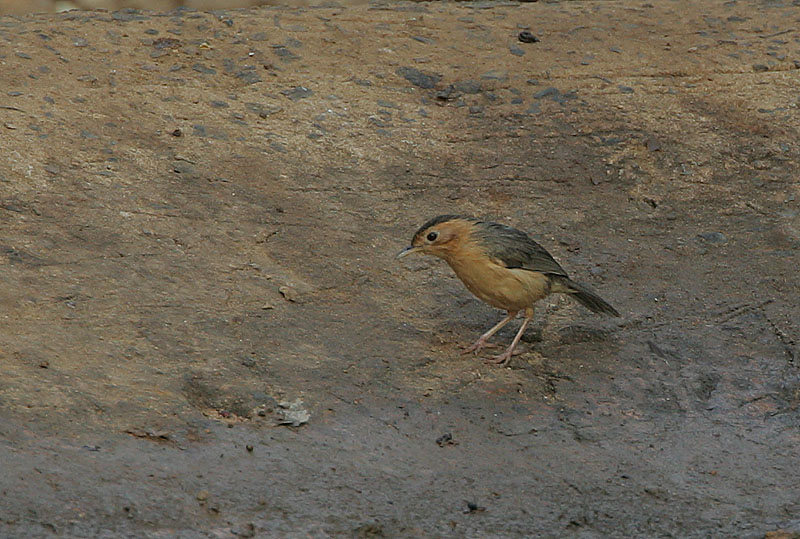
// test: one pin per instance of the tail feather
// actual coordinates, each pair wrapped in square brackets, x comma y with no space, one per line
[584,295]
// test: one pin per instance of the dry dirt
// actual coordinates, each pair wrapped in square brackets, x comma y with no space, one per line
[200,213]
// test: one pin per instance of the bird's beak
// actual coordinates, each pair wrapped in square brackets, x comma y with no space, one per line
[408,251]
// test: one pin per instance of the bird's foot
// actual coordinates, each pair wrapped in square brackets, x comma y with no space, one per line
[479,344]
[504,358]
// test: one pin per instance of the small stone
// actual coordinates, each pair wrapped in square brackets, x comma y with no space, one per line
[760,68]
[289,293]
[653,144]
[468,86]
[202,496]
[516,51]
[714,237]
[80,42]
[418,78]
[219,104]
[527,37]
[249,447]
[547,92]
[625,89]
[297,93]
[176,133]
[23,55]
[495,74]
[249,362]
[200,68]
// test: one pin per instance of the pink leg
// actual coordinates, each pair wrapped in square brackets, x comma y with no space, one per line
[505,357]
[481,342]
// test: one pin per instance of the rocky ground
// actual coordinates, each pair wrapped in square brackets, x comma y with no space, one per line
[200,213]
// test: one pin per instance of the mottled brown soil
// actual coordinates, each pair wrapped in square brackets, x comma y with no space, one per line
[200,213]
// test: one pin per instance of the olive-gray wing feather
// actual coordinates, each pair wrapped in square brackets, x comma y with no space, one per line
[516,250]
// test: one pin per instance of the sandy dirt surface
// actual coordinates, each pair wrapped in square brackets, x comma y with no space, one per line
[200,213]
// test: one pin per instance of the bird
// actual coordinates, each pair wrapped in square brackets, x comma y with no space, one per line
[503,267]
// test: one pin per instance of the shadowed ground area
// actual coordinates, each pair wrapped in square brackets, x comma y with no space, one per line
[200,213]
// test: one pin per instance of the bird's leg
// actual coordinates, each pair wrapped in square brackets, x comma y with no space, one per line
[505,357]
[481,342]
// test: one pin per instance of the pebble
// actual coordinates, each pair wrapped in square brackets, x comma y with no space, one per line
[200,68]
[468,86]
[495,74]
[516,51]
[625,89]
[297,93]
[760,68]
[714,237]
[418,78]
[527,37]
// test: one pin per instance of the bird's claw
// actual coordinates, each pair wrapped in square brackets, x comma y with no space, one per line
[502,359]
[477,347]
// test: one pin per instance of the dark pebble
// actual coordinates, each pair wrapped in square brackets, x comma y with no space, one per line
[418,78]
[426,40]
[760,68]
[297,93]
[535,108]
[128,14]
[176,133]
[447,93]
[249,362]
[495,74]
[625,89]
[49,99]
[151,32]
[23,55]
[200,68]
[526,37]
[284,54]
[444,439]
[714,237]
[516,51]
[653,144]
[468,86]
[219,104]
[362,82]
[476,109]
[547,92]
[87,134]
[278,147]
[249,75]
[80,42]
[14,93]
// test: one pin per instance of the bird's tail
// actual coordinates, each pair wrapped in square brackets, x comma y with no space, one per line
[583,294]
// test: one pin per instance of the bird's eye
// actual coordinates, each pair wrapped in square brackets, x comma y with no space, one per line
[432,236]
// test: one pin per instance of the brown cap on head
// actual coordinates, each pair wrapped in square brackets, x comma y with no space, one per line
[435,235]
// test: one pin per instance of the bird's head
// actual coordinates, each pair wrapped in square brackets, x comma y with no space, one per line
[441,236]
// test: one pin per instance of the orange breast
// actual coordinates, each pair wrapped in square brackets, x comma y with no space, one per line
[509,289]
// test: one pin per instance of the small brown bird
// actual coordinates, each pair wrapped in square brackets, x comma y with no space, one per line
[501,266]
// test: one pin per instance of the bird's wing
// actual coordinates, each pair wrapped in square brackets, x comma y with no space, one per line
[514,249]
